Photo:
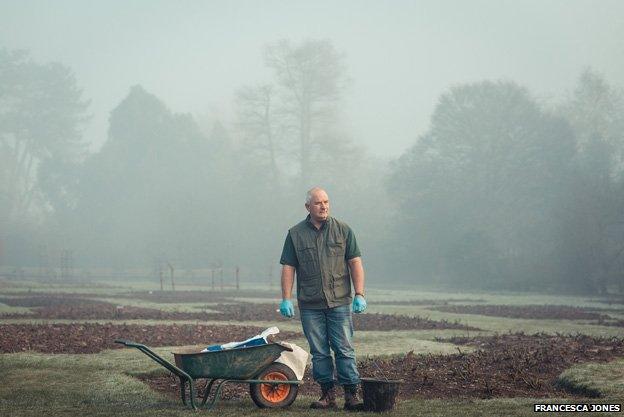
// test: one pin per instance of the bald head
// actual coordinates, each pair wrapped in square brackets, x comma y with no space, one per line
[317,204]
[312,192]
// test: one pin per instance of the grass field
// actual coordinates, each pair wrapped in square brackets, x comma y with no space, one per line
[105,383]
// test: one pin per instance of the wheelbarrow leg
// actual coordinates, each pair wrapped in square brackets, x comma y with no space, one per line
[183,390]
[217,393]
[192,392]
[207,391]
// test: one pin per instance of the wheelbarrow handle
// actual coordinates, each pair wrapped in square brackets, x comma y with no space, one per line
[184,377]
[156,358]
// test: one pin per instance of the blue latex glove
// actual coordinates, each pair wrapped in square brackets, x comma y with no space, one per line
[287,309]
[359,304]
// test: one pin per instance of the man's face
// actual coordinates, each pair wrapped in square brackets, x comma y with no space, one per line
[319,206]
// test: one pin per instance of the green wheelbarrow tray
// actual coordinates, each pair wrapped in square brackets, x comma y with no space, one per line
[239,365]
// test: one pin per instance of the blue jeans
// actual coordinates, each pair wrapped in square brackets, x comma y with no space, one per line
[331,327]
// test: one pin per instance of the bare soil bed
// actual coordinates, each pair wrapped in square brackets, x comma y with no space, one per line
[610,299]
[94,337]
[201,296]
[611,323]
[83,309]
[378,321]
[526,311]
[47,300]
[513,365]
[429,302]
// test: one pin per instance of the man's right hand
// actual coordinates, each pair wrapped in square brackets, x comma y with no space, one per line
[287,309]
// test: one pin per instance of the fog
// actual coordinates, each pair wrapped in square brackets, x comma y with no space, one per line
[467,143]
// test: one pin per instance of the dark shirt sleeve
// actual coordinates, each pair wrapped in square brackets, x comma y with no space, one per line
[352,250]
[289,256]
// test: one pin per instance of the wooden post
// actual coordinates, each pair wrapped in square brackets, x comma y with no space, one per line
[237,278]
[171,273]
[213,281]
[160,272]
[221,277]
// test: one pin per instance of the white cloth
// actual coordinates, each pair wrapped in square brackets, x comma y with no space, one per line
[296,360]
[233,345]
[263,335]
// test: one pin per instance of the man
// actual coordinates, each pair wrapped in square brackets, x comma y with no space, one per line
[324,254]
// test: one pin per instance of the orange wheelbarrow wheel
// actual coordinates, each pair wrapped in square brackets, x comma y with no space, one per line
[274,395]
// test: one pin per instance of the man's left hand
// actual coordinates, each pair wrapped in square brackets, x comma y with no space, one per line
[287,309]
[359,304]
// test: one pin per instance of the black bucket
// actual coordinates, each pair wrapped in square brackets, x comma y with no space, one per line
[379,395]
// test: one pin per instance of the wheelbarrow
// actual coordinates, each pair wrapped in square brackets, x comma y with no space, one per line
[271,384]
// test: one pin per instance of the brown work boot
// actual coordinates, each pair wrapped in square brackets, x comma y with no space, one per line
[352,402]
[328,398]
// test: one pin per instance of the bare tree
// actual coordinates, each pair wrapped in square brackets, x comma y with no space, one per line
[260,128]
[311,77]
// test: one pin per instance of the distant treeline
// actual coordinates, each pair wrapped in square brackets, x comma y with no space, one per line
[502,192]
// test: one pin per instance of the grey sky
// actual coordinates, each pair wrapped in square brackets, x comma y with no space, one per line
[401,55]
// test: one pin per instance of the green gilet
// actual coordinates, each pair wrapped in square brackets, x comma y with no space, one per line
[323,279]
